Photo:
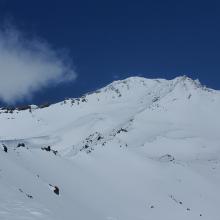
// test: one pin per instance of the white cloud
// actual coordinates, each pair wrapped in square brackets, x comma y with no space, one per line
[29,65]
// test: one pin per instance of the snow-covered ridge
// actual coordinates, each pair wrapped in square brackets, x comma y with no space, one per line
[136,149]
[116,89]
[133,95]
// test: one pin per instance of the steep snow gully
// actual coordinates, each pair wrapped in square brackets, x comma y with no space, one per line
[136,149]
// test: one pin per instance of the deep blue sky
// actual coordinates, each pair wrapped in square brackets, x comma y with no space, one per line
[109,39]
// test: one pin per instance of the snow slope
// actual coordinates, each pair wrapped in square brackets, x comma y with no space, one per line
[136,149]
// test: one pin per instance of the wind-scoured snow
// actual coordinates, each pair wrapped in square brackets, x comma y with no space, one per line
[136,149]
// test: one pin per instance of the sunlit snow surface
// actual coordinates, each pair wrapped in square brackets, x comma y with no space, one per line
[137,149]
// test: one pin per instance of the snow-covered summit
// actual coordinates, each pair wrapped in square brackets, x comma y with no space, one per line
[135,82]
[136,149]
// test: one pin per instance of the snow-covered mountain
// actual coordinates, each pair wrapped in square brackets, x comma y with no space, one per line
[136,149]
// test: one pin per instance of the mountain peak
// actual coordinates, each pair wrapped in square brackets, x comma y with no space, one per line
[137,83]
[144,81]
[186,79]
